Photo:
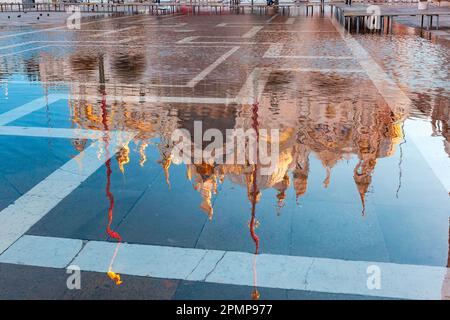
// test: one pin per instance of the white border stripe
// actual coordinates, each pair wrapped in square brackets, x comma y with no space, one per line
[54,132]
[211,67]
[272,18]
[252,32]
[237,268]
[32,106]
[290,21]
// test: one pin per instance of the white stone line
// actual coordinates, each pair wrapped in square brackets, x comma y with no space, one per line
[52,43]
[162,99]
[188,39]
[252,32]
[22,51]
[274,50]
[184,31]
[314,57]
[30,32]
[272,18]
[254,86]
[81,30]
[58,252]
[129,39]
[107,85]
[19,217]
[173,16]
[27,108]
[107,33]
[237,24]
[297,31]
[233,43]
[324,70]
[211,67]
[228,267]
[61,27]
[290,21]
[17,45]
[53,132]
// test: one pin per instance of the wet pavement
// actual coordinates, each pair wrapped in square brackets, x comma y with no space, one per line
[88,177]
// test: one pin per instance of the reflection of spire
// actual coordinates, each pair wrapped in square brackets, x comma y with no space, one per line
[143,158]
[123,157]
[400,161]
[282,187]
[79,145]
[113,234]
[165,163]
[326,182]
[300,177]
[205,183]
[363,177]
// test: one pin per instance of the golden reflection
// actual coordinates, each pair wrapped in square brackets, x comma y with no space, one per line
[331,133]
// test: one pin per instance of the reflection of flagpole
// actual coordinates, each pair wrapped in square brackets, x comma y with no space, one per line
[400,161]
[106,139]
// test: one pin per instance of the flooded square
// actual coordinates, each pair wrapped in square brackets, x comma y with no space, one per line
[91,174]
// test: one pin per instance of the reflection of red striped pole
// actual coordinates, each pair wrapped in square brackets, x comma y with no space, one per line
[255,125]
[113,234]
[110,196]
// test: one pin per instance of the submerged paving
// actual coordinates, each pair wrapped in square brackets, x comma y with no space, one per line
[86,118]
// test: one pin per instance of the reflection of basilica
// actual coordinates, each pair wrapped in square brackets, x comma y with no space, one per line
[330,131]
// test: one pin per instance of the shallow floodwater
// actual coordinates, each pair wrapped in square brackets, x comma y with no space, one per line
[358,178]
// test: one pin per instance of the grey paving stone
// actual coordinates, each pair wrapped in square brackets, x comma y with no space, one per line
[166,217]
[416,183]
[25,282]
[415,235]
[337,230]
[229,228]
[311,295]
[28,160]
[84,214]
